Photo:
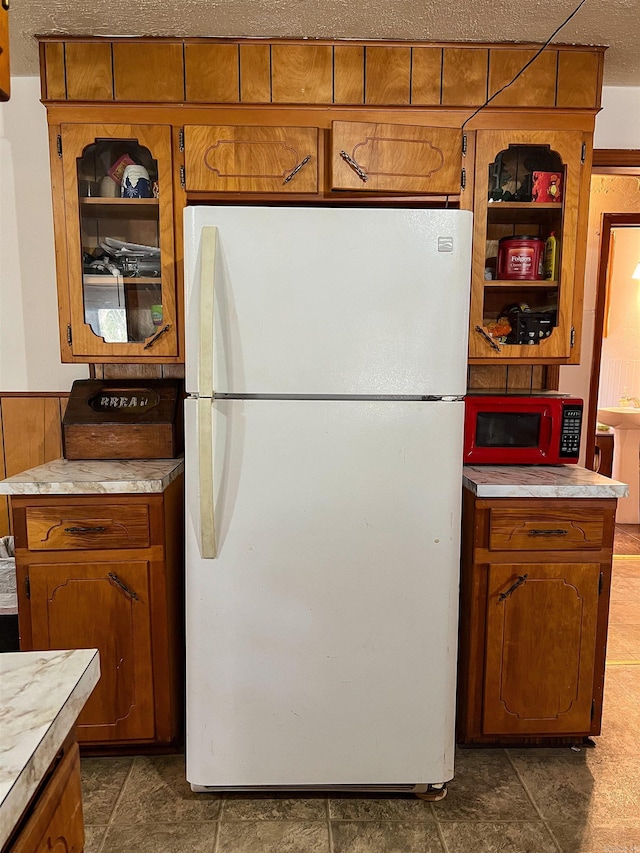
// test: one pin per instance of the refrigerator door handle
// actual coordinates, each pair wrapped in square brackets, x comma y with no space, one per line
[208,249]
[208,546]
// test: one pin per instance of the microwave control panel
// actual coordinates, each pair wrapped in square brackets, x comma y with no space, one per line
[570,431]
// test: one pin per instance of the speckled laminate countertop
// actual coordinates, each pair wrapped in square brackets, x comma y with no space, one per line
[69,477]
[539,481]
[41,696]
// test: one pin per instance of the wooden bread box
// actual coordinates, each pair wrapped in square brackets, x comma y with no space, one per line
[124,419]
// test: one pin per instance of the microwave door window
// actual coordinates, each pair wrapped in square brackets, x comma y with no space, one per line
[508,429]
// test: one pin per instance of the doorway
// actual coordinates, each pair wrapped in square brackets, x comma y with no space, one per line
[615,218]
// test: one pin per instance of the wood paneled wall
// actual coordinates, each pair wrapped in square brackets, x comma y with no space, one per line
[30,426]
[242,71]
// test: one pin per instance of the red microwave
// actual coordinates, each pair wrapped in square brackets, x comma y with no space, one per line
[511,429]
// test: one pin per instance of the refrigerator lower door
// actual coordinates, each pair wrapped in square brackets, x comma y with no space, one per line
[321,639]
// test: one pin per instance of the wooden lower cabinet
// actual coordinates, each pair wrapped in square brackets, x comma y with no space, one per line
[126,601]
[55,823]
[534,607]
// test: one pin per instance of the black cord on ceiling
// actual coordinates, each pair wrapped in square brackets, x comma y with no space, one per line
[524,67]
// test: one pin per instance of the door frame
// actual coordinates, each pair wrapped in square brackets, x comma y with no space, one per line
[609,222]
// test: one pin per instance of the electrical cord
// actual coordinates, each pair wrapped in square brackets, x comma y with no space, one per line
[524,67]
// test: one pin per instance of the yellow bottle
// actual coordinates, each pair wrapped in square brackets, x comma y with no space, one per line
[551,257]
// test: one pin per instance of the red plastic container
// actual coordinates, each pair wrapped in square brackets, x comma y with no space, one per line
[521,258]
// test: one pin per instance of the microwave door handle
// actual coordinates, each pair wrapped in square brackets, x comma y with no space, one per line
[208,545]
[546,429]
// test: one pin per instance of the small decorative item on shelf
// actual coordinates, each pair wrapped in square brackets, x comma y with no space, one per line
[551,257]
[156,315]
[135,182]
[547,187]
[117,170]
[109,188]
[499,329]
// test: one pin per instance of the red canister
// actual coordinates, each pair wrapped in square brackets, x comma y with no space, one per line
[521,257]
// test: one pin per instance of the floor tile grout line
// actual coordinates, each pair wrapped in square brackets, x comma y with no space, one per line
[533,802]
[218,827]
[116,804]
[329,826]
[436,819]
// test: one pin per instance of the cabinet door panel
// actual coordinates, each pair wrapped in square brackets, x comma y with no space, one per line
[541,644]
[110,313]
[491,299]
[251,159]
[55,825]
[396,158]
[103,606]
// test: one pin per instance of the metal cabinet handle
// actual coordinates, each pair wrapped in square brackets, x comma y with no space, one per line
[488,338]
[548,532]
[116,580]
[155,337]
[357,168]
[84,529]
[513,587]
[296,169]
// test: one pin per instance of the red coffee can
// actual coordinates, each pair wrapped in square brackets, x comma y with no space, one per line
[521,257]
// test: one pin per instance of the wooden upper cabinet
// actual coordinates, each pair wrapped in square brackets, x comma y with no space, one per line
[549,621]
[212,73]
[395,158]
[226,158]
[5,76]
[506,205]
[107,313]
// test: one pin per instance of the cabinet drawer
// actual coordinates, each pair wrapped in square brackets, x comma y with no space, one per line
[80,528]
[546,530]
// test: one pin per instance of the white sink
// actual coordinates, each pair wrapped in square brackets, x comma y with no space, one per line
[626,457]
[620,417]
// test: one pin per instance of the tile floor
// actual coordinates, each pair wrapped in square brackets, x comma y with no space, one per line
[511,801]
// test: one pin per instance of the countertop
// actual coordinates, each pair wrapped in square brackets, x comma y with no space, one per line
[69,477]
[41,696]
[540,481]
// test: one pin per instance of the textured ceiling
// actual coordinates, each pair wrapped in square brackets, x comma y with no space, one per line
[614,23]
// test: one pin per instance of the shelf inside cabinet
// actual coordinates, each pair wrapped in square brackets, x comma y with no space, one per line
[123,208]
[117,280]
[520,285]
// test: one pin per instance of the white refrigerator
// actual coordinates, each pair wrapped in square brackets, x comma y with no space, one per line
[326,365]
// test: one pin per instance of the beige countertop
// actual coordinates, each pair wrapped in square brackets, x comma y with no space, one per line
[69,477]
[539,481]
[41,696]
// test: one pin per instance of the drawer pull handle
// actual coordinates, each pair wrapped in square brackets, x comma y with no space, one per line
[295,171]
[513,587]
[84,529]
[116,580]
[549,532]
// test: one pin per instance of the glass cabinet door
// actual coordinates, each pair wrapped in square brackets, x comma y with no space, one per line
[525,221]
[119,220]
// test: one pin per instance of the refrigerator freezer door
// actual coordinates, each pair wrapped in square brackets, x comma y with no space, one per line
[331,300]
[321,641]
